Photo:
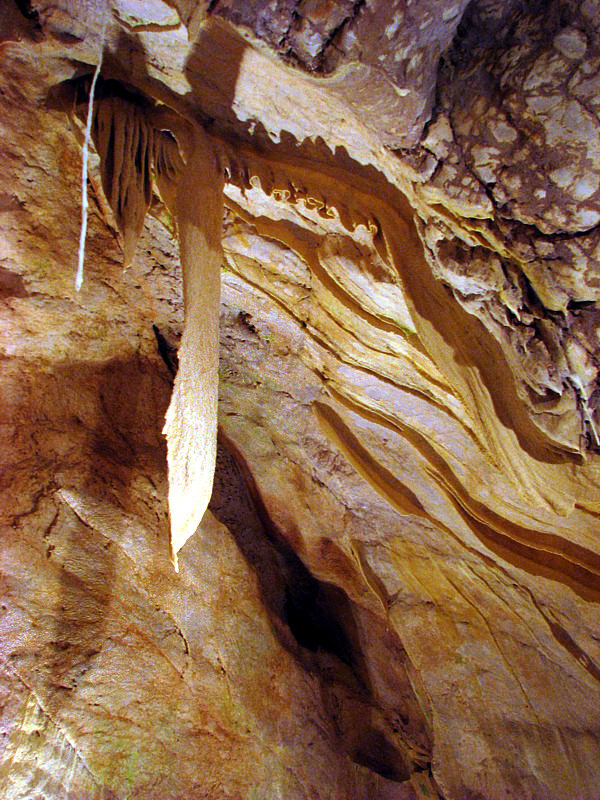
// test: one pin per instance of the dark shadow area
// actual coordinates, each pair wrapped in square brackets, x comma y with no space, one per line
[308,608]
[168,350]
[112,416]
[312,619]
[27,10]
[17,21]
[212,70]
[12,285]
[378,754]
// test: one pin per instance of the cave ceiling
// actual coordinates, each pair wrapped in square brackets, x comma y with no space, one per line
[371,232]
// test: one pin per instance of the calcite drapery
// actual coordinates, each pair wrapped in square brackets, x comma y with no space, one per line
[137,148]
[191,425]
[440,616]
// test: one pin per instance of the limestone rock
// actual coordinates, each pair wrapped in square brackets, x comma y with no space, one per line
[394,593]
[519,151]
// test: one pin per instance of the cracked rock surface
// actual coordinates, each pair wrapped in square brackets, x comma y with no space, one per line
[394,593]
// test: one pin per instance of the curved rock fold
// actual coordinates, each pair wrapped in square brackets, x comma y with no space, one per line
[349,252]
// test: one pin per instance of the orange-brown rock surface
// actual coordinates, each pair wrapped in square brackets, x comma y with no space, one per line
[394,593]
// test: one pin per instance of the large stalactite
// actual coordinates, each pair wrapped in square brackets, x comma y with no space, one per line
[330,231]
[191,426]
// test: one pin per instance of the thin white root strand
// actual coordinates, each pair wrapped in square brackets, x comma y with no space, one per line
[84,171]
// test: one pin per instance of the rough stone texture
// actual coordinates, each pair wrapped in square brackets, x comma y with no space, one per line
[380,57]
[520,150]
[395,591]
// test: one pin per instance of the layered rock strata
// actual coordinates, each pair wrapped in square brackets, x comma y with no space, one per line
[394,593]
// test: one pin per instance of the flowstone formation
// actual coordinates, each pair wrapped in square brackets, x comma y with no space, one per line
[341,286]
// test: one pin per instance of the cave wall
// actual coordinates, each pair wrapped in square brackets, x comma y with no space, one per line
[394,593]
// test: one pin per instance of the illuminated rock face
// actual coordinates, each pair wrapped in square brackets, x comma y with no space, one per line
[394,593]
